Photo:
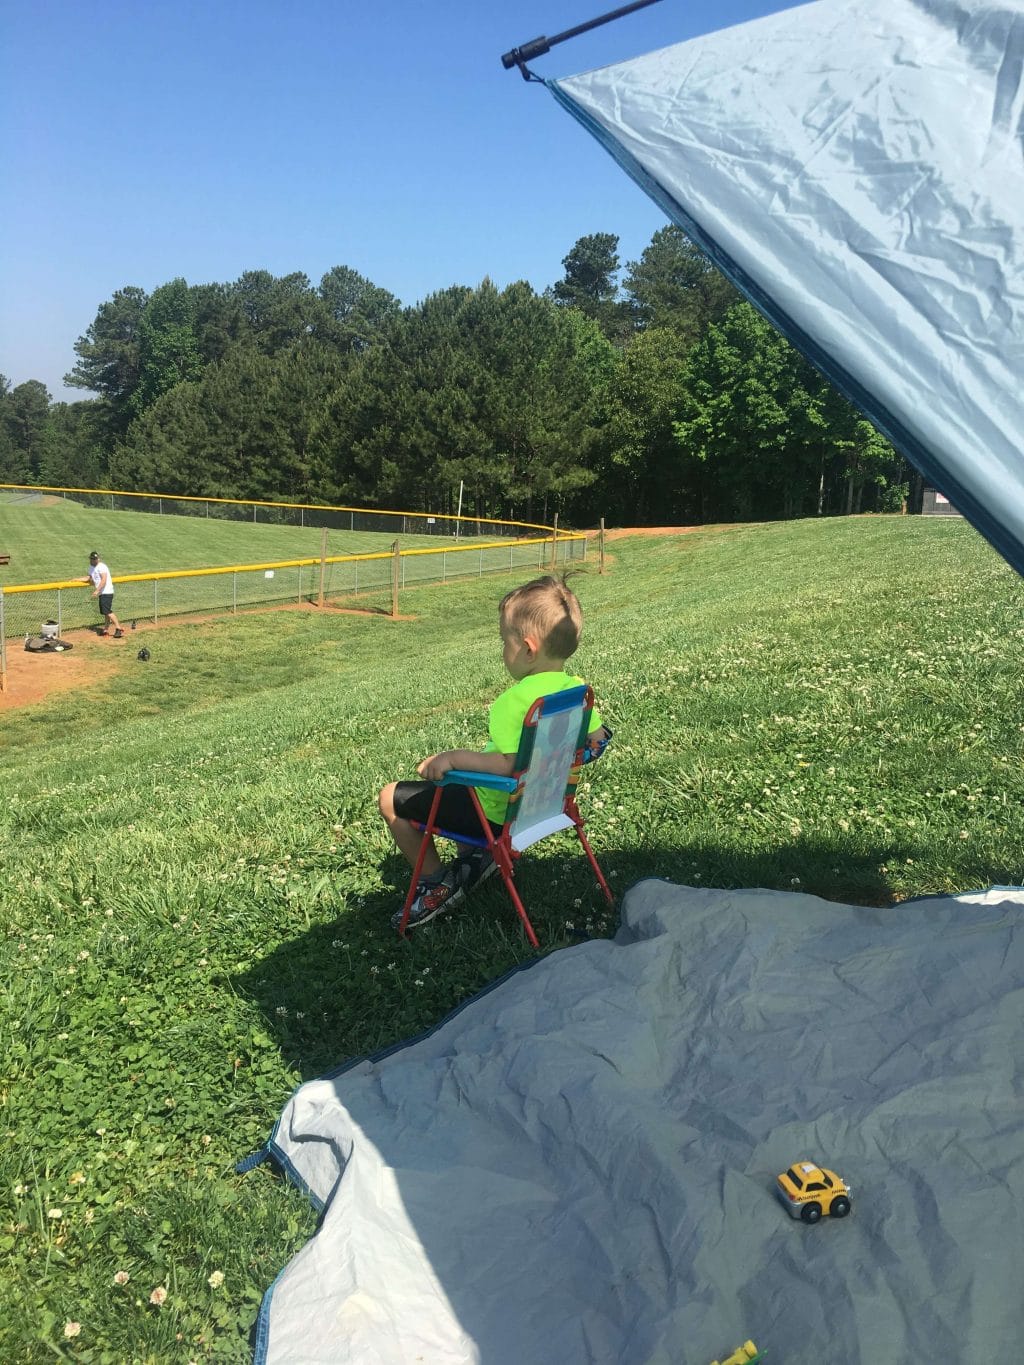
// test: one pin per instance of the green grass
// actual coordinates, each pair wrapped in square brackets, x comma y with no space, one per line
[197,886]
[51,543]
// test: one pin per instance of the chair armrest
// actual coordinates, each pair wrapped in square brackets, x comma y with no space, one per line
[460,777]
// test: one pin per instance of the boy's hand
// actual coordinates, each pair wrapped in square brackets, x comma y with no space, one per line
[435,767]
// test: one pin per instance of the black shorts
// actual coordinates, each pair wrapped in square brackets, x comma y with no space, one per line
[106,603]
[455,813]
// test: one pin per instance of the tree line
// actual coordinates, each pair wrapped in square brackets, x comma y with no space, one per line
[650,393]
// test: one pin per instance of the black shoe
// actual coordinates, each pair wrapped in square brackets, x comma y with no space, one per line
[433,897]
[475,867]
[119,634]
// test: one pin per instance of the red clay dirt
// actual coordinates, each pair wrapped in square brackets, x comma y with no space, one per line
[35,675]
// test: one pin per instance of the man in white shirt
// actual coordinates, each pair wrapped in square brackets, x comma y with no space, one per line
[103,584]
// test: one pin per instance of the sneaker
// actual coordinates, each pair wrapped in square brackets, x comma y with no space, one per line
[119,634]
[475,867]
[433,897]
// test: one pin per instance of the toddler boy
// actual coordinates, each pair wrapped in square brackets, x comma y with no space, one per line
[540,626]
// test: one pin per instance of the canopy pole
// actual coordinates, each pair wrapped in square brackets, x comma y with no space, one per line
[537,47]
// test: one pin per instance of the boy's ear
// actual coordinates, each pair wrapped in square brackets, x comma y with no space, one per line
[532,643]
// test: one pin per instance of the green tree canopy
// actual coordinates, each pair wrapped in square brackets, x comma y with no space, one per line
[674,285]
[108,354]
[590,282]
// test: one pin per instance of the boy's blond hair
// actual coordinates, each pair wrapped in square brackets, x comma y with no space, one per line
[548,609]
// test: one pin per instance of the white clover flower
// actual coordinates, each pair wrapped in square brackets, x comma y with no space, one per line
[158,1296]
[72,1329]
[216,1279]
[121,1277]
[54,1214]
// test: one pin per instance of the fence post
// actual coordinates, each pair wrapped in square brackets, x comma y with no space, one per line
[600,545]
[323,565]
[155,583]
[234,594]
[396,560]
[554,543]
[3,646]
[60,619]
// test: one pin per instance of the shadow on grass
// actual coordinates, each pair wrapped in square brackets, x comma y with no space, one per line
[350,986]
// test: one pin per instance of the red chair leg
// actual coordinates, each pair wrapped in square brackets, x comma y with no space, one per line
[577,819]
[428,833]
[500,850]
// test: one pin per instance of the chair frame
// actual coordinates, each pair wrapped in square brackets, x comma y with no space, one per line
[503,847]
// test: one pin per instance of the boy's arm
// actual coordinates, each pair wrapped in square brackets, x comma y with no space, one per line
[597,742]
[435,767]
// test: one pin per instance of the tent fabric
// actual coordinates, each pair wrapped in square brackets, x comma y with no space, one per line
[856,167]
[579,1164]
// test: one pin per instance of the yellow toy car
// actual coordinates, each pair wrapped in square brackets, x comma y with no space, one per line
[807,1191]
[743,1355]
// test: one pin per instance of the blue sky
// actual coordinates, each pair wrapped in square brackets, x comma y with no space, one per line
[149,141]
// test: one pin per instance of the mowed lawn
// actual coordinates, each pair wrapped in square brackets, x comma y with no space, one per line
[50,542]
[196,885]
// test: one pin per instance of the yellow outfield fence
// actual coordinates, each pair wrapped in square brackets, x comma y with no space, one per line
[324,580]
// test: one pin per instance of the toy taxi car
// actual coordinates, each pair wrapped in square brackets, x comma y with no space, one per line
[807,1191]
[743,1355]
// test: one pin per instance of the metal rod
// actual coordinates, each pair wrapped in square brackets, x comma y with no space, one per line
[537,47]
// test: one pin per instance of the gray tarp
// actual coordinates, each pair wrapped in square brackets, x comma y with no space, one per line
[578,1166]
[857,168]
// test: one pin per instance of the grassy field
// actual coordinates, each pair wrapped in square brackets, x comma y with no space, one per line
[197,888]
[51,543]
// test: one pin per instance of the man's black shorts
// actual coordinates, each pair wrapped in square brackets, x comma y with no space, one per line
[106,603]
[456,812]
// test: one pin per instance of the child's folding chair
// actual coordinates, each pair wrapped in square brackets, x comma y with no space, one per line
[541,792]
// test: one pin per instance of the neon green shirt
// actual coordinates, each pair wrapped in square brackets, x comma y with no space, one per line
[505,725]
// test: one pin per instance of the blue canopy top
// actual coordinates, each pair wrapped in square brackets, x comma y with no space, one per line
[856,168]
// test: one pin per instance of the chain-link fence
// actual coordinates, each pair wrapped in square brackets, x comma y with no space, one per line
[371,581]
[353,519]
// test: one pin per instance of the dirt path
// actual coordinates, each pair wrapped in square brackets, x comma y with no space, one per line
[33,676]
[621,532]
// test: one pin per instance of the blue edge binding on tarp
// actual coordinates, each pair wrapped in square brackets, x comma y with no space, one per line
[271,1152]
[1007,545]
